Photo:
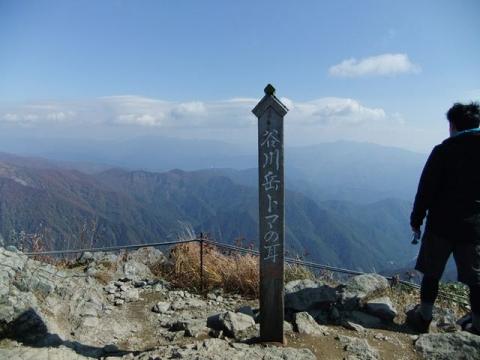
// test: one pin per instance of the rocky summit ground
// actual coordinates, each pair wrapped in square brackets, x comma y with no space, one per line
[114,307]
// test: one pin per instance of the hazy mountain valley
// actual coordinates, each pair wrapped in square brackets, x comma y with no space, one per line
[347,204]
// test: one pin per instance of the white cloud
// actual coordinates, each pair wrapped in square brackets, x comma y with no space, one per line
[334,111]
[380,65]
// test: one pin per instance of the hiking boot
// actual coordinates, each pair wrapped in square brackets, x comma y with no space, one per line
[416,321]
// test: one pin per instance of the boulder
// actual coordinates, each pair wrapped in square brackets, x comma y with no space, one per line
[306,324]
[449,346]
[381,307]
[149,256]
[231,323]
[360,287]
[134,270]
[302,295]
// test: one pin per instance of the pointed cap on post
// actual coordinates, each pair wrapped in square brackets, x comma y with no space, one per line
[269,100]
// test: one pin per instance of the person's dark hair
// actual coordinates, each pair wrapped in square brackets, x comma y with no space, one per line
[464,117]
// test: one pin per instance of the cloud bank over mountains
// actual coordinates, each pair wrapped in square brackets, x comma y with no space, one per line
[308,122]
[147,112]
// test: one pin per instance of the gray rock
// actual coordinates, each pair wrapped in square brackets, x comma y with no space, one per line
[306,324]
[119,302]
[445,320]
[246,309]
[195,329]
[36,277]
[214,323]
[25,352]
[358,348]
[366,320]
[297,285]
[161,307]
[302,295]
[320,316]
[11,248]
[110,288]
[132,295]
[215,333]
[359,287]
[161,286]
[178,305]
[287,326]
[382,308]
[134,270]
[449,346]
[335,314]
[231,323]
[85,258]
[140,283]
[353,326]
[149,256]
[191,327]
[175,335]
[252,332]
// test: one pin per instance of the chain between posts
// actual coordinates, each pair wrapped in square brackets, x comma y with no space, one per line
[459,299]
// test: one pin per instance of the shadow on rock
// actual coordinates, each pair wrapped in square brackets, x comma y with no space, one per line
[30,329]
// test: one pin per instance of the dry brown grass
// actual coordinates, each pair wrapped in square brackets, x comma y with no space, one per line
[230,271]
[233,273]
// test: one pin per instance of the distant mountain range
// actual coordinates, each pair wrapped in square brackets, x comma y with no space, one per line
[368,232]
[350,171]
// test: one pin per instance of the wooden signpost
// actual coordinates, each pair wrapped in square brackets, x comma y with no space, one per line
[270,113]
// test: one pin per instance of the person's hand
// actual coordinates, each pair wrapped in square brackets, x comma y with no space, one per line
[416,231]
[416,235]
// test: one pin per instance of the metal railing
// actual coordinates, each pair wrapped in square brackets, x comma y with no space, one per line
[202,241]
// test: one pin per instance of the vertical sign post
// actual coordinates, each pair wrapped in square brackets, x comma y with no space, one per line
[270,112]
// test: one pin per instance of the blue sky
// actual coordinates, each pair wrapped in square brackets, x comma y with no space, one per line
[378,71]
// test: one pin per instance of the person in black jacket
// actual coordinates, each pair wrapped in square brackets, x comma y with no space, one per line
[449,196]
